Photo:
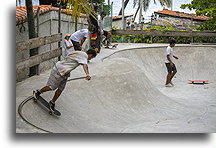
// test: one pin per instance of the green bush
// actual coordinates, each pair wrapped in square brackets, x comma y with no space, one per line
[160,39]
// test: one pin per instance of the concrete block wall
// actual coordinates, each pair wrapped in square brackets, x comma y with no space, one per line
[48,25]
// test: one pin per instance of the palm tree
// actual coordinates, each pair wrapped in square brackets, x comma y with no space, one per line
[125,4]
[144,4]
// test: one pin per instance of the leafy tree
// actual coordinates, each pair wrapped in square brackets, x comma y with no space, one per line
[204,7]
[144,4]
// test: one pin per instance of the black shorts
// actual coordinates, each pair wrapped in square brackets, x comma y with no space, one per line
[76,45]
[105,33]
[170,68]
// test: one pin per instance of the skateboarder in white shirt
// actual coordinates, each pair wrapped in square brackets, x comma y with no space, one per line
[101,26]
[61,72]
[78,38]
[171,68]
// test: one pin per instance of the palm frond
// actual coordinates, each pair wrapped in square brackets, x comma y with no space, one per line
[146,4]
[165,3]
[78,6]
[135,3]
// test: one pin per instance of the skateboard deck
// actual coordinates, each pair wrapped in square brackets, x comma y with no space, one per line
[111,46]
[44,103]
[198,81]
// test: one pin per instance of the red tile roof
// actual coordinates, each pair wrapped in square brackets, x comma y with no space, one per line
[21,14]
[182,14]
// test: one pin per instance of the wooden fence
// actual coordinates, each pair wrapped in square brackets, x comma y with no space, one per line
[165,33]
[41,57]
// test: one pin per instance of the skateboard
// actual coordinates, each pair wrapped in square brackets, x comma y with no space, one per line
[198,81]
[111,46]
[44,103]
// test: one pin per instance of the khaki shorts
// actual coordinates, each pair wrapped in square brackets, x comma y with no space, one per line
[56,80]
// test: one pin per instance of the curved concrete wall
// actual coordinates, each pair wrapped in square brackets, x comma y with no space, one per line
[127,94]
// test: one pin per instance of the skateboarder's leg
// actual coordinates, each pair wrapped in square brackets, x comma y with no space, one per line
[109,35]
[45,89]
[173,74]
[77,46]
[42,90]
[168,78]
[56,95]
[169,75]
[59,90]
[174,71]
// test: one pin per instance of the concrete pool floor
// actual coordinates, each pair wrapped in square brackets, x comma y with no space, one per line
[127,94]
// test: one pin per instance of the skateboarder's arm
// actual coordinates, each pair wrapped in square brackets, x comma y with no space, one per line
[85,68]
[67,44]
[175,57]
[83,40]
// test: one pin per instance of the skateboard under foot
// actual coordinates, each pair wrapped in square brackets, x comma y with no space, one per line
[45,104]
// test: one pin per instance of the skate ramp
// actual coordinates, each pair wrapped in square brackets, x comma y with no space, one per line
[127,94]
[195,62]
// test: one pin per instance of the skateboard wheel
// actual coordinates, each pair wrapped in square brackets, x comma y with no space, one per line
[50,112]
[35,100]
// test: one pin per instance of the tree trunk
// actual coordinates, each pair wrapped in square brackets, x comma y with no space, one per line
[136,12]
[30,16]
[32,34]
[141,9]
[125,4]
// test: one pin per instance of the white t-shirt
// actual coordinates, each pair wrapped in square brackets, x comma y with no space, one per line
[101,24]
[72,61]
[68,43]
[79,35]
[169,51]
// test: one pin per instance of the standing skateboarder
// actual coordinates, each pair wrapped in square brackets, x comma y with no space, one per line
[61,72]
[102,31]
[171,68]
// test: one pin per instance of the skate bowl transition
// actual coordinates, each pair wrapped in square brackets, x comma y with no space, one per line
[127,95]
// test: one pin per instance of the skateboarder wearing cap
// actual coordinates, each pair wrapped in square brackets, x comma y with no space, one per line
[68,46]
[171,68]
[61,71]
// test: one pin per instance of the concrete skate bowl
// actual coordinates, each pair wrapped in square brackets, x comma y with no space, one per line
[127,95]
